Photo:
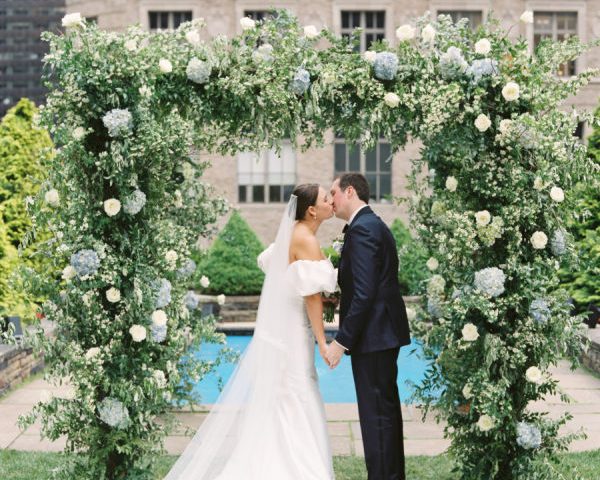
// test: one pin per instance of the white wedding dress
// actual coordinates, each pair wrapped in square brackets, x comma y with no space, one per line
[269,422]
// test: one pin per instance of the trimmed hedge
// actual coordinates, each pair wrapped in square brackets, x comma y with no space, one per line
[230,263]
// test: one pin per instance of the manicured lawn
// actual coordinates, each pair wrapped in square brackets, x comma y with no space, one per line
[35,465]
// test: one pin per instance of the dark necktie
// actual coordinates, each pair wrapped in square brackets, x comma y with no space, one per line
[345,229]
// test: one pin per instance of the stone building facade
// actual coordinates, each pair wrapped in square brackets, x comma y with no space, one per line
[257,184]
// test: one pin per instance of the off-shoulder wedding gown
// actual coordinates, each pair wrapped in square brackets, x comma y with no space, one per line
[269,423]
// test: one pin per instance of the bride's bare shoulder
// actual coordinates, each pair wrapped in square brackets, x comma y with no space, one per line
[304,245]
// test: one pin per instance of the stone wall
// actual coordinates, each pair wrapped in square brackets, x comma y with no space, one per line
[16,364]
[591,359]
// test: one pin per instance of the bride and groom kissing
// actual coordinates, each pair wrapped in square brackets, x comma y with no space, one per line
[269,421]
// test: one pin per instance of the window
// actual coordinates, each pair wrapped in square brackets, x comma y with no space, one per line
[372,23]
[556,26]
[374,164]
[168,20]
[475,17]
[266,177]
[259,14]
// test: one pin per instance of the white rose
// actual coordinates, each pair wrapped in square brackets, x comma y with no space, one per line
[52,198]
[92,352]
[526,16]
[159,318]
[466,391]
[428,33]
[470,333]
[165,66]
[113,295]
[204,281]
[539,240]
[432,264]
[538,183]
[391,99]
[483,46]
[510,92]
[451,184]
[310,31]
[71,20]
[482,122]
[370,56]
[78,133]
[505,126]
[138,333]
[557,194]
[483,218]
[533,375]
[485,423]
[193,37]
[68,272]
[130,45]
[112,206]
[221,299]
[247,23]
[405,32]
[411,314]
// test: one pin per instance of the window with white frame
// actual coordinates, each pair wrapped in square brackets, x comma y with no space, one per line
[555,26]
[168,20]
[267,177]
[475,17]
[375,164]
[372,23]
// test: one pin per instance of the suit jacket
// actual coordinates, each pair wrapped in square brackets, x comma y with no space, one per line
[372,312]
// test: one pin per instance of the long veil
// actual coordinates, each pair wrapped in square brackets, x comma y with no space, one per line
[231,432]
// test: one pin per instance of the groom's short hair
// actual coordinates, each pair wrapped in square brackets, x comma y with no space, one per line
[356,181]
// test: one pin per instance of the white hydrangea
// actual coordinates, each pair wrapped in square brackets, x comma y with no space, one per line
[159,378]
[526,16]
[451,184]
[534,375]
[221,299]
[118,122]
[130,45]
[159,318]
[92,352]
[485,423]
[510,92]
[483,218]
[469,332]
[432,264]
[112,206]
[539,240]
[247,23]
[405,32]
[71,20]
[68,273]
[310,31]
[52,198]
[78,133]
[171,257]
[482,122]
[557,194]
[198,71]
[204,281]
[165,66]
[436,285]
[112,412]
[428,33]
[370,56]
[391,99]
[113,295]
[483,46]
[193,37]
[134,202]
[138,333]
[490,281]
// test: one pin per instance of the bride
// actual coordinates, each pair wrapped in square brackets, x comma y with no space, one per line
[269,421]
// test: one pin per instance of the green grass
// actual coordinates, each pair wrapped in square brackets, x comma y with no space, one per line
[36,466]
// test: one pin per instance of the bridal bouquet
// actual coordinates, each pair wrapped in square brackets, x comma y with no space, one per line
[331,300]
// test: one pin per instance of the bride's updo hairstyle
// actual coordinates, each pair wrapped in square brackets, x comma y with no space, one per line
[307,194]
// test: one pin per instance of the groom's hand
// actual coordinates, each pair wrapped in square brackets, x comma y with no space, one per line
[334,354]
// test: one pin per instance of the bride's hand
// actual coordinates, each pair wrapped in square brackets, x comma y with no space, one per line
[323,352]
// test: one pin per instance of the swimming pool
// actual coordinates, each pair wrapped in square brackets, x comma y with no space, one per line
[337,386]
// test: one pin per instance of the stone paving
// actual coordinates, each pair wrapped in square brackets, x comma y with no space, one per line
[344,430]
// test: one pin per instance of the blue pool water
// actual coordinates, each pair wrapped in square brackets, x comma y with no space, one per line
[337,386]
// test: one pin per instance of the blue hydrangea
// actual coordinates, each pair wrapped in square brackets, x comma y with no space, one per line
[187,269]
[385,65]
[482,67]
[539,310]
[558,242]
[490,281]
[198,71]
[528,435]
[134,202]
[159,333]
[85,262]
[434,308]
[453,64]
[113,413]
[163,292]
[191,300]
[300,82]
[461,292]
[118,122]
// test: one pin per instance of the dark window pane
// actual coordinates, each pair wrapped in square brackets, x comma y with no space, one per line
[369,38]
[153,20]
[287,192]
[385,185]
[274,193]
[369,19]
[354,159]
[355,20]
[385,162]
[164,20]
[340,157]
[380,19]
[345,19]
[242,194]
[371,160]
[379,36]
[258,193]
[372,180]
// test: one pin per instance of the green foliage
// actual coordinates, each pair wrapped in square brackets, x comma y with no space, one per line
[412,272]
[24,152]
[230,264]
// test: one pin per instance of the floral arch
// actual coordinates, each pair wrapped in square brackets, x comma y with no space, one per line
[125,204]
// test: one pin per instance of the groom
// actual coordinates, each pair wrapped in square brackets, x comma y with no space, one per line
[373,325]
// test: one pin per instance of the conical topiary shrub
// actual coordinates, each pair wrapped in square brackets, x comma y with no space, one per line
[230,264]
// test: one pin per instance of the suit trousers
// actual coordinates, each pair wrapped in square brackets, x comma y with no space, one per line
[375,378]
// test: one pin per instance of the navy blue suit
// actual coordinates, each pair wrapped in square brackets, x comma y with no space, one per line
[373,327]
